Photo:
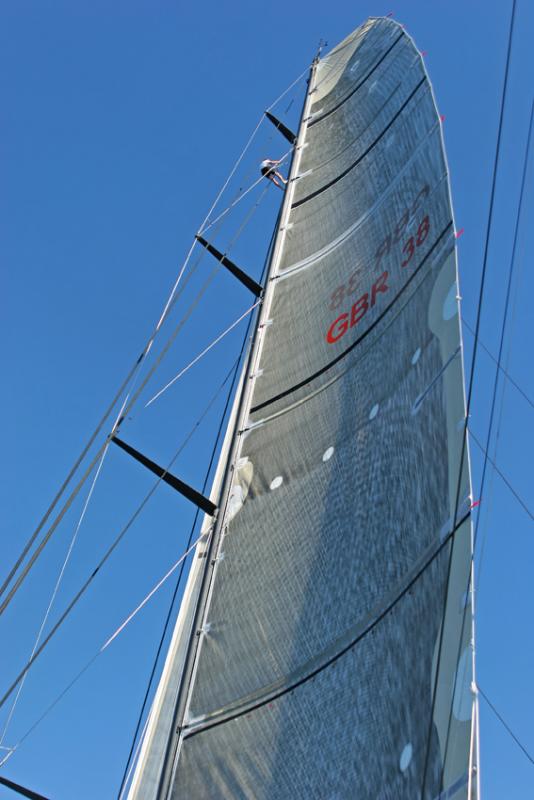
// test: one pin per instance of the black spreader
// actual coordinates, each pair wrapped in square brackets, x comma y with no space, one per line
[183,488]
[289,135]
[245,279]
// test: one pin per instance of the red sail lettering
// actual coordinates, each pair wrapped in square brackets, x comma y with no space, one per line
[359,309]
[379,286]
[337,329]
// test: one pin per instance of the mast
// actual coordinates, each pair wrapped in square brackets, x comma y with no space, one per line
[186,636]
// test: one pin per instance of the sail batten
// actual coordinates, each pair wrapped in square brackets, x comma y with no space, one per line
[317,671]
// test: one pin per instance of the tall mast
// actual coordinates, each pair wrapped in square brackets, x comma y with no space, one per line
[199,583]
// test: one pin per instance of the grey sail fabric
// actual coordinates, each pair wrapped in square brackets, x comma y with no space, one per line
[334,657]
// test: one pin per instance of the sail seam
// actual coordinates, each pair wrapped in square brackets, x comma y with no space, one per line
[311,259]
[376,65]
[351,347]
[364,154]
[370,627]
[379,110]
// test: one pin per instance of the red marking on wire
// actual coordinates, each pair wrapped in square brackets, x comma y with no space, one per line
[475,504]
[442,117]
[424,53]
[459,233]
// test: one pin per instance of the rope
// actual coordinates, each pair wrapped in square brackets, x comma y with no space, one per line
[471,382]
[108,553]
[505,725]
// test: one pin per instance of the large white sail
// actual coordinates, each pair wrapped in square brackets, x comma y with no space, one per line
[331,655]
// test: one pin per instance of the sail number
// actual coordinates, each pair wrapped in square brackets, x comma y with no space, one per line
[340,326]
[367,300]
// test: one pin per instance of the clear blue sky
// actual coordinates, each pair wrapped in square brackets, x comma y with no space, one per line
[120,121]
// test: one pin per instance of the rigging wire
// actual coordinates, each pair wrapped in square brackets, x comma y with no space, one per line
[471,381]
[36,553]
[133,373]
[485,449]
[166,310]
[233,324]
[168,307]
[63,568]
[500,474]
[190,546]
[170,302]
[486,511]
[505,724]
[53,595]
[110,549]
[127,406]
[203,353]
[501,368]
[104,646]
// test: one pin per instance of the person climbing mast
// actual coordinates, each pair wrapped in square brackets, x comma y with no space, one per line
[268,171]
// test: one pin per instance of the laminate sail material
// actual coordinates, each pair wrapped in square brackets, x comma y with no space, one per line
[328,663]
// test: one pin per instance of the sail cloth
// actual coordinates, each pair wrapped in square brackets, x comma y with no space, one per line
[328,664]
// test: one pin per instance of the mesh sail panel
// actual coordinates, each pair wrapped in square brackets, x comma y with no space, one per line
[327,630]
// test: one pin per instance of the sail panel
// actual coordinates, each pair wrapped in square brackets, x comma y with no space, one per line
[356,726]
[366,48]
[326,307]
[341,138]
[327,500]
[320,218]
[334,656]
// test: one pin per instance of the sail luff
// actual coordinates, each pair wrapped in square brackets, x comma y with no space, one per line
[176,668]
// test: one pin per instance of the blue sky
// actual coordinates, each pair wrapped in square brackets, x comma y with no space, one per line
[120,122]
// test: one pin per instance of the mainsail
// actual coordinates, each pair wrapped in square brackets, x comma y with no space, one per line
[324,646]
